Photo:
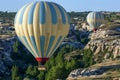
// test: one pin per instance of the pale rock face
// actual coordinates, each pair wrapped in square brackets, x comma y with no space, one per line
[116,51]
[110,49]
[97,50]
[87,27]
[107,55]
[106,42]
[102,47]
[99,34]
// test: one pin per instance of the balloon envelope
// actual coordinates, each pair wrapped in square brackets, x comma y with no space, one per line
[95,19]
[41,27]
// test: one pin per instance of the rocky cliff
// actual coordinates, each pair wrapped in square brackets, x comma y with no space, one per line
[105,45]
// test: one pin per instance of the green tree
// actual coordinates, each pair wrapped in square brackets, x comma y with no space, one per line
[56,72]
[15,73]
[84,41]
[32,71]
[59,59]
[29,71]
[15,47]
[50,63]
[88,58]
[71,65]
[41,76]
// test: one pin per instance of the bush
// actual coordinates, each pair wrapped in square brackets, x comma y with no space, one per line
[84,40]
[32,71]
[15,74]
[56,72]
[41,76]
[15,47]
[88,58]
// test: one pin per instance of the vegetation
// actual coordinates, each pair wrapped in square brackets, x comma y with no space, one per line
[75,16]
[32,71]
[57,66]
[15,47]
[88,58]
[15,73]
[21,54]
[81,16]
[7,17]
[84,40]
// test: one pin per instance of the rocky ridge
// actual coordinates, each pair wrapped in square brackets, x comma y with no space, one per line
[97,71]
[105,45]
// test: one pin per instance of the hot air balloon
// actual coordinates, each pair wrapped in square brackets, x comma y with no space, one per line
[41,27]
[95,19]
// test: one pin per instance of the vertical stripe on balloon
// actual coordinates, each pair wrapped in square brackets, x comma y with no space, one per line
[50,44]
[42,13]
[53,13]
[30,14]
[62,14]
[68,18]
[42,42]
[15,18]
[21,15]
[26,43]
[96,19]
[56,45]
[32,38]
[34,28]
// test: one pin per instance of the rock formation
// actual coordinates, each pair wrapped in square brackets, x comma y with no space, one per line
[105,45]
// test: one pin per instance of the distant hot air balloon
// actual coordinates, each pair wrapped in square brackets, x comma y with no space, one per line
[95,19]
[41,27]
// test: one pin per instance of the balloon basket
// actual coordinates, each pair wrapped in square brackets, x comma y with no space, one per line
[41,68]
[41,62]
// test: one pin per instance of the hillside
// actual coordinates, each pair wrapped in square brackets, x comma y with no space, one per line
[105,43]
[102,71]
[105,46]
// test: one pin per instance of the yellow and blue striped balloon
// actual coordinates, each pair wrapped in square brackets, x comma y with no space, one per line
[95,19]
[41,27]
